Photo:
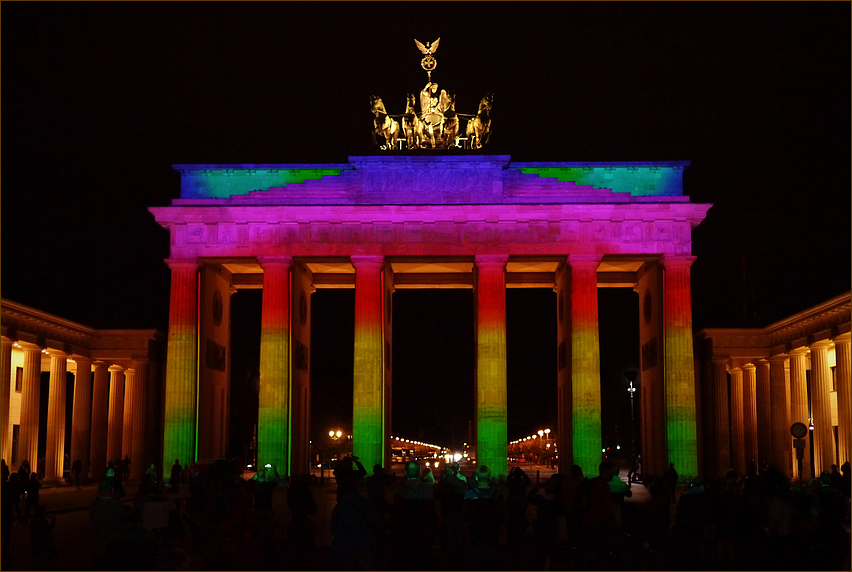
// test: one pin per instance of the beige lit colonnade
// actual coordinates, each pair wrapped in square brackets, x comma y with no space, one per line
[377,224]
[757,382]
[114,406]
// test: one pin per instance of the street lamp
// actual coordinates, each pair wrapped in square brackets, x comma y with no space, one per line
[631,377]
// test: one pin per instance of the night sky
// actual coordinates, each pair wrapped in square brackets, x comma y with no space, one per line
[100,99]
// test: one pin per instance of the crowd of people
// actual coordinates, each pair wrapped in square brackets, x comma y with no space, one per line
[209,516]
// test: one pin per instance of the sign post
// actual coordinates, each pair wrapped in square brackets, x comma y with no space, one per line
[799,430]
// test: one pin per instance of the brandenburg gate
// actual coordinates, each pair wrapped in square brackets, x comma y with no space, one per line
[379,223]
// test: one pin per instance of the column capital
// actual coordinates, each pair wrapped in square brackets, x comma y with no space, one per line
[735,370]
[720,360]
[6,341]
[749,367]
[366,260]
[843,338]
[183,263]
[821,345]
[482,259]
[115,368]
[799,352]
[677,261]
[54,353]
[27,346]
[99,363]
[778,358]
[268,261]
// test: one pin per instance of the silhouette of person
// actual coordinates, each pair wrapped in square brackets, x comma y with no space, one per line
[108,516]
[376,485]
[33,488]
[414,515]
[670,477]
[450,492]
[485,511]
[174,476]
[353,524]
[125,467]
[77,470]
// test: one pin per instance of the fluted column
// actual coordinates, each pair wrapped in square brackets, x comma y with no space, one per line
[764,413]
[273,423]
[722,424]
[181,365]
[115,428]
[100,416]
[368,394]
[842,382]
[821,406]
[54,455]
[81,416]
[750,412]
[780,420]
[799,403]
[5,396]
[491,396]
[134,411]
[30,394]
[585,362]
[679,373]
[738,443]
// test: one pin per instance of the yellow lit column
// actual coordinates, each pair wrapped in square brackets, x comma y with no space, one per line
[585,362]
[764,413]
[738,452]
[54,454]
[821,407]
[116,413]
[100,416]
[179,426]
[134,414]
[780,423]
[30,395]
[5,396]
[722,424]
[679,372]
[844,403]
[799,404]
[750,413]
[81,415]
[368,380]
[273,421]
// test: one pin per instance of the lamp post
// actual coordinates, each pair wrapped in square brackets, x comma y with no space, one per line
[631,377]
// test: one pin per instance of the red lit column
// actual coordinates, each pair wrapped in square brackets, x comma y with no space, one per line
[100,416]
[181,365]
[81,416]
[679,372]
[780,423]
[738,452]
[368,380]
[844,403]
[722,424]
[799,404]
[273,423]
[764,413]
[821,407]
[491,431]
[750,413]
[5,396]
[585,362]
[54,454]
[116,413]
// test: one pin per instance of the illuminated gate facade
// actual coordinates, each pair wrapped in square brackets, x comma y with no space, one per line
[380,223]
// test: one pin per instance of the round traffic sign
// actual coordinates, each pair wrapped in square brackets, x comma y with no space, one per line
[799,430]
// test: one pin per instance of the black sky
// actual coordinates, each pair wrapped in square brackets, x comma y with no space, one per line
[100,99]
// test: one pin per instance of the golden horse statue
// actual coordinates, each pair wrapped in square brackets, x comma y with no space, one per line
[383,124]
[412,127]
[479,127]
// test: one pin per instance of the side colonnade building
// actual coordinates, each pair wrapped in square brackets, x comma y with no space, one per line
[757,382]
[113,405]
[380,223]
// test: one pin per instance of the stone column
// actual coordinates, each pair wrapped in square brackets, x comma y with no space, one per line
[100,413]
[81,416]
[750,413]
[140,455]
[821,407]
[134,411]
[738,452]
[115,428]
[842,383]
[764,413]
[181,365]
[780,420]
[491,397]
[679,372]
[5,396]
[722,426]
[799,403]
[30,392]
[585,362]
[273,422]
[368,394]
[54,455]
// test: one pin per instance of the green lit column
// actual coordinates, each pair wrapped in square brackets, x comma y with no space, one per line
[679,366]
[368,383]
[585,362]
[181,366]
[491,399]
[273,419]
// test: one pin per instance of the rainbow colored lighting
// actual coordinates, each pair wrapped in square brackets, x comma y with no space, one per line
[224,181]
[637,179]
